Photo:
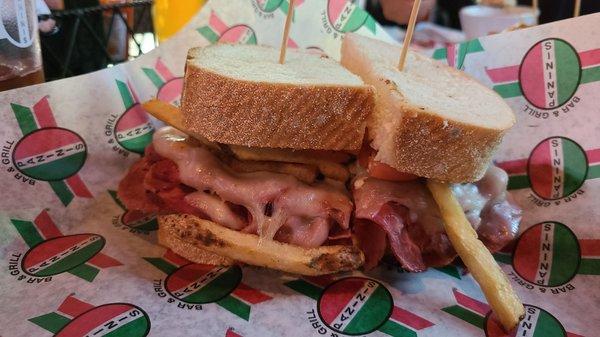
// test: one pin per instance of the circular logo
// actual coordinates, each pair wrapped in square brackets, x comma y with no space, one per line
[550,73]
[537,322]
[557,167]
[547,254]
[344,16]
[139,220]
[114,319]
[200,283]
[50,154]
[170,92]
[268,5]
[239,34]
[355,305]
[60,254]
[134,130]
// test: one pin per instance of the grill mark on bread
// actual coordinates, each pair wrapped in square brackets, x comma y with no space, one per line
[201,247]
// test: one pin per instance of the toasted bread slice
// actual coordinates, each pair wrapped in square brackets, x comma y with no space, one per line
[190,237]
[241,95]
[430,120]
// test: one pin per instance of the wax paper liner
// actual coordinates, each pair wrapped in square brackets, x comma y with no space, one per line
[75,262]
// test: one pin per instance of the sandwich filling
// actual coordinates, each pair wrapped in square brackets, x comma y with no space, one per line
[177,175]
[391,212]
[405,215]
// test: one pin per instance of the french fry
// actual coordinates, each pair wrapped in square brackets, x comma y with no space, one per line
[165,112]
[171,115]
[305,173]
[494,283]
[180,230]
[329,169]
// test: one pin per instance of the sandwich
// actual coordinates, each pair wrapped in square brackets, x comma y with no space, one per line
[315,167]
[255,169]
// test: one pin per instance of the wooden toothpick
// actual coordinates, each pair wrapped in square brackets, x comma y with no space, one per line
[535,5]
[577,9]
[286,32]
[409,33]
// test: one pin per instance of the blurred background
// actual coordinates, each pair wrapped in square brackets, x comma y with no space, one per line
[44,40]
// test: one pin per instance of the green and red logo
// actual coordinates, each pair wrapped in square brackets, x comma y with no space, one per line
[536,323]
[456,53]
[135,220]
[75,318]
[52,253]
[195,283]
[49,153]
[269,6]
[357,306]
[169,87]
[344,16]
[549,74]
[556,168]
[133,130]
[549,254]
[218,31]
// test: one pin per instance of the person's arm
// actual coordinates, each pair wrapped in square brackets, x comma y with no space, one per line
[399,10]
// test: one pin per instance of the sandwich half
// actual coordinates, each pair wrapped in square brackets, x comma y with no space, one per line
[432,126]
[262,180]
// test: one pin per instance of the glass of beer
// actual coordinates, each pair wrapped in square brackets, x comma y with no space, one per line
[20,54]
[171,15]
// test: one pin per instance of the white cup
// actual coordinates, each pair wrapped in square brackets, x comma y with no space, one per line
[478,20]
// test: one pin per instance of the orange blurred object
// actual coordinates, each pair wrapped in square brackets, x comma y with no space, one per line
[171,15]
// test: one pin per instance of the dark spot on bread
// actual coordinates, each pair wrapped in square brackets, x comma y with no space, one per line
[208,239]
[349,258]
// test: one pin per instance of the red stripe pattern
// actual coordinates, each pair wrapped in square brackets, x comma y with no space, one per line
[504,74]
[589,58]
[250,295]
[470,303]
[410,319]
[46,226]
[231,333]
[590,247]
[593,156]
[101,260]
[518,166]
[73,307]
[164,72]
[43,114]
[77,186]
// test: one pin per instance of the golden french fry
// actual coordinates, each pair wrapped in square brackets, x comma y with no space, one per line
[305,173]
[171,115]
[329,169]
[183,230]
[478,259]
[165,112]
